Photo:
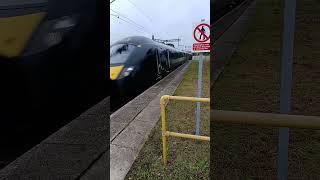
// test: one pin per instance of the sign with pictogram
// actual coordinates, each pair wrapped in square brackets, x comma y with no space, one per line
[201,36]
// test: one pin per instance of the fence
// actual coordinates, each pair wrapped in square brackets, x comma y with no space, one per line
[166,133]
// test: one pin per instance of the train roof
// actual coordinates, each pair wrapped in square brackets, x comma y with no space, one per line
[140,40]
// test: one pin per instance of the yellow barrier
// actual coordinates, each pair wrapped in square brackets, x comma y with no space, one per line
[166,133]
[266,119]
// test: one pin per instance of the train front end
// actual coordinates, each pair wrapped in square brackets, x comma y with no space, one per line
[49,59]
[123,71]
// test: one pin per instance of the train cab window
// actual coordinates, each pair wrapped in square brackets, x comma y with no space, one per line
[119,53]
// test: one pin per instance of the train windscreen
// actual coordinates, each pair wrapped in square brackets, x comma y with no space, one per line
[119,53]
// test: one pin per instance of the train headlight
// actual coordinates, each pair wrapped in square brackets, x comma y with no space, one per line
[128,71]
[50,33]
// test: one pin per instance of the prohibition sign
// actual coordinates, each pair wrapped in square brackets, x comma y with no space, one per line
[203,34]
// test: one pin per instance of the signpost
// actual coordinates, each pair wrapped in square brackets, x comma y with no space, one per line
[286,82]
[201,36]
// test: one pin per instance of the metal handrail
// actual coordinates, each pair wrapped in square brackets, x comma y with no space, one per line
[265,119]
[166,133]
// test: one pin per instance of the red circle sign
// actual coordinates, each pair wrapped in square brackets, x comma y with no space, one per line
[206,38]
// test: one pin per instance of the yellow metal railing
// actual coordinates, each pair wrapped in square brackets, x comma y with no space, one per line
[166,133]
[265,119]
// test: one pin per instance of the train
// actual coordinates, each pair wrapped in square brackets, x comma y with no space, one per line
[221,7]
[137,62]
[52,61]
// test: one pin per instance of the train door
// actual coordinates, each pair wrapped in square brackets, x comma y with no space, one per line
[163,61]
[159,67]
[168,61]
[148,73]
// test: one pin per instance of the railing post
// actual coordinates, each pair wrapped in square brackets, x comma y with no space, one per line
[163,122]
[286,83]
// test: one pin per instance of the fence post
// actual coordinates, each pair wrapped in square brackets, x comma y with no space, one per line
[286,83]
[163,121]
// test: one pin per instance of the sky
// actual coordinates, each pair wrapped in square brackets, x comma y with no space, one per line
[165,19]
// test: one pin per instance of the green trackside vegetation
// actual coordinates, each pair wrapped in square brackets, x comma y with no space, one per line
[187,159]
[251,82]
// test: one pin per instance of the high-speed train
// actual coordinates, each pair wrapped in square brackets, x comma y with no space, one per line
[137,62]
[52,60]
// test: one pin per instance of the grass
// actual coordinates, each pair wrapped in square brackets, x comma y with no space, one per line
[187,159]
[251,82]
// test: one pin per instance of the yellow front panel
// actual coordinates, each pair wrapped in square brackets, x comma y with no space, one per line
[115,71]
[16,31]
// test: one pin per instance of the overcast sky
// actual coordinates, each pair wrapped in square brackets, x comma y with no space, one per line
[166,19]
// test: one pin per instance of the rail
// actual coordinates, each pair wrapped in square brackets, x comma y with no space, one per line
[265,119]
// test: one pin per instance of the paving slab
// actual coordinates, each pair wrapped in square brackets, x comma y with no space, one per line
[151,113]
[99,170]
[134,135]
[126,116]
[116,128]
[124,155]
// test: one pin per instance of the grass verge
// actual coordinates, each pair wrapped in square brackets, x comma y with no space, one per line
[251,82]
[187,159]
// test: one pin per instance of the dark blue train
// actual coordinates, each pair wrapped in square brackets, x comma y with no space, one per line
[137,62]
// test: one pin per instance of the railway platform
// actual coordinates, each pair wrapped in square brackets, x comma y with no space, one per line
[78,150]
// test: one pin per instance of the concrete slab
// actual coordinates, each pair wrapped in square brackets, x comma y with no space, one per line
[46,161]
[84,130]
[99,170]
[134,136]
[116,128]
[102,108]
[143,100]
[150,115]
[127,115]
[121,160]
